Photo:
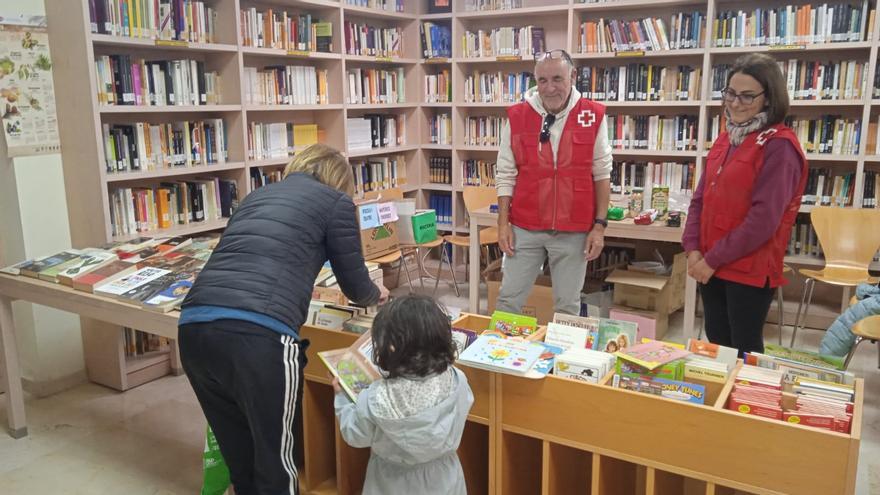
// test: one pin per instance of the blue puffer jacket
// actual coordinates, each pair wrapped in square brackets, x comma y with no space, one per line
[839,339]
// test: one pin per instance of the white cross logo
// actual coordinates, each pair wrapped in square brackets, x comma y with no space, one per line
[762,138]
[584,122]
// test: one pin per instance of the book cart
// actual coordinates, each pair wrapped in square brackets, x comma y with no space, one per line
[560,436]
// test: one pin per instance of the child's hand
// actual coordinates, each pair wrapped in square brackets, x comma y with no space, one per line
[336,387]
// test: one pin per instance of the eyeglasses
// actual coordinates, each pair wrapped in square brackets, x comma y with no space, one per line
[554,54]
[549,119]
[729,95]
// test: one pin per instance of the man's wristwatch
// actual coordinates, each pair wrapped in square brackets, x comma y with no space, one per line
[601,221]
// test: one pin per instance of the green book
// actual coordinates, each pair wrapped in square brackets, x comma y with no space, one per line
[513,325]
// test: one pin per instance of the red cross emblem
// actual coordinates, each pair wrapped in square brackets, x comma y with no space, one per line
[586,118]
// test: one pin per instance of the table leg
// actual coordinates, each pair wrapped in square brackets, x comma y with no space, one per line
[690,305]
[474,268]
[12,372]
[176,367]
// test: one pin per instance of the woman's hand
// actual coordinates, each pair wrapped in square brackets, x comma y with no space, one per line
[383,293]
[693,258]
[701,272]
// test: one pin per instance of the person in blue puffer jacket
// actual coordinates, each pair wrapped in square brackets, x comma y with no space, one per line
[839,339]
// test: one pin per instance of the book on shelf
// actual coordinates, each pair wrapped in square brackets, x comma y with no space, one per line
[442,205]
[475,172]
[440,129]
[583,364]
[640,82]
[373,41]
[653,132]
[483,130]
[180,20]
[137,343]
[376,131]
[580,334]
[870,186]
[483,5]
[376,86]
[379,173]
[615,335]
[353,366]
[637,177]
[810,79]
[285,85]
[143,146]
[683,30]
[497,87]
[436,40]
[386,5]
[271,140]
[440,170]
[127,80]
[693,393]
[827,134]
[438,87]
[439,6]
[500,354]
[827,188]
[504,41]
[794,25]
[285,31]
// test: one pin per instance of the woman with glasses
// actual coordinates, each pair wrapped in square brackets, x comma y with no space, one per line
[742,212]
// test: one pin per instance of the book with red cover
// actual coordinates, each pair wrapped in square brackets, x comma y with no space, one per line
[88,281]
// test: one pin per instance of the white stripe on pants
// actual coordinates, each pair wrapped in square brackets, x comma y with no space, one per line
[568,267]
[291,383]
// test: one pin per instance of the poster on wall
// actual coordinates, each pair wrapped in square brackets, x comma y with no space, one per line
[27,95]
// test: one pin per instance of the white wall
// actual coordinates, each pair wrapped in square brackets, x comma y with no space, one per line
[33,222]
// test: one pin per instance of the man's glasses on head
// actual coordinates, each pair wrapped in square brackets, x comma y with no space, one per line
[549,119]
[553,54]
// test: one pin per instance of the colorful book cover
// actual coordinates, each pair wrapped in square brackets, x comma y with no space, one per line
[491,352]
[547,358]
[36,267]
[569,336]
[670,389]
[806,357]
[651,355]
[615,335]
[113,269]
[670,371]
[353,366]
[122,285]
[513,325]
[85,264]
[16,268]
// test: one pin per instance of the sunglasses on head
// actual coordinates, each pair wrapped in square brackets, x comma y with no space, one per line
[549,119]
[553,54]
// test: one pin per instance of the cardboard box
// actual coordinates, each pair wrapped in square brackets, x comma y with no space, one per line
[661,293]
[652,324]
[377,239]
[539,303]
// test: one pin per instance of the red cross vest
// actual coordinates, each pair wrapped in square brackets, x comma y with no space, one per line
[727,195]
[558,196]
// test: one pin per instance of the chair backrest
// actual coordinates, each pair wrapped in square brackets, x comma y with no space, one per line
[849,236]
[387,194]
[476,197]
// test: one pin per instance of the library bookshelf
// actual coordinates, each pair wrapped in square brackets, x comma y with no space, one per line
[90,186]
[560,436]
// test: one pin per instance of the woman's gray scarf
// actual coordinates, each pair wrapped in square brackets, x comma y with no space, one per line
[737,132]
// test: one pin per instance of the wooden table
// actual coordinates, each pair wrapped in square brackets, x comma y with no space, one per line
[625,229]
[87,305]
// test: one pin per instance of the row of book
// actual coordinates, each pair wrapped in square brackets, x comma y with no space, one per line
[793,25]
[379,173]
[653,132]
[285,85]
[685,30]
[375,86]
[285,31]
[440,170]
[145,209]
[182,20]
[376,131]
[440,129]
[873,145]
[630,177]
[143,146]
[870,188]
[639,82]
[480,5]
[153,273]
[504,41]
[826,188]
[123,80]
[267,140]
[810,80]
[438,87]
[827,134]
[478,173]
[803,240]
[483,130]
[497,87]
[441,204]
[386,5]
[436,40]
[373,41]
[138,343]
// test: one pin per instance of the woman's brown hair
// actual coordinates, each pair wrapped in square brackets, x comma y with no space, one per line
[764,69]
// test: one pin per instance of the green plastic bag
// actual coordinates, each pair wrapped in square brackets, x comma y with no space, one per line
[216,480]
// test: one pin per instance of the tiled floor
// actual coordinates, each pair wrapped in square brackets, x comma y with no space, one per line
[91,440]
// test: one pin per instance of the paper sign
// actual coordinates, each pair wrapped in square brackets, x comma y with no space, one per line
[387,212]
[369,216]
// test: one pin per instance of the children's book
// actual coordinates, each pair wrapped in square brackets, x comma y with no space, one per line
[513,325]
[615,335]
[806,357]
[714,352]
[498,354]
[671,389]
[547,359]
[584,365]
[570,336]
[353,366]
[462,338]
[651,355]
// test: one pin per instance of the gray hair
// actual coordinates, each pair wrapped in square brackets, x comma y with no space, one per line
[548,55]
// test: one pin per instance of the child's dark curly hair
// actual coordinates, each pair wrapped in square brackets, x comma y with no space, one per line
[412,337]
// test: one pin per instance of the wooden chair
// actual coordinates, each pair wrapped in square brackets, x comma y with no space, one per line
[849,238]
[475,198]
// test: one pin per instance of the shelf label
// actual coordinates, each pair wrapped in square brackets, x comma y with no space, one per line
[780,48]
[299,53]
[179,43]
[630,53]
[509,58]
[383,59]
[437,60]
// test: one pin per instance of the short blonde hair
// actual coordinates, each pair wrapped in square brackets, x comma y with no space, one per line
[326,164]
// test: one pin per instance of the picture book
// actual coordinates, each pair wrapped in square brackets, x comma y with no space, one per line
[569,336]
[670,389]
[672,370]
[651,354]
[498,354]
[584,365]
[615,335]
[353,366]
[586,322]
[806,357]
[547,358]
[513,325]
[715,352]
[91,260]
[462,338]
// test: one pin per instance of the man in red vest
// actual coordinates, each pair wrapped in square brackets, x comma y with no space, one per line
[553,179]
